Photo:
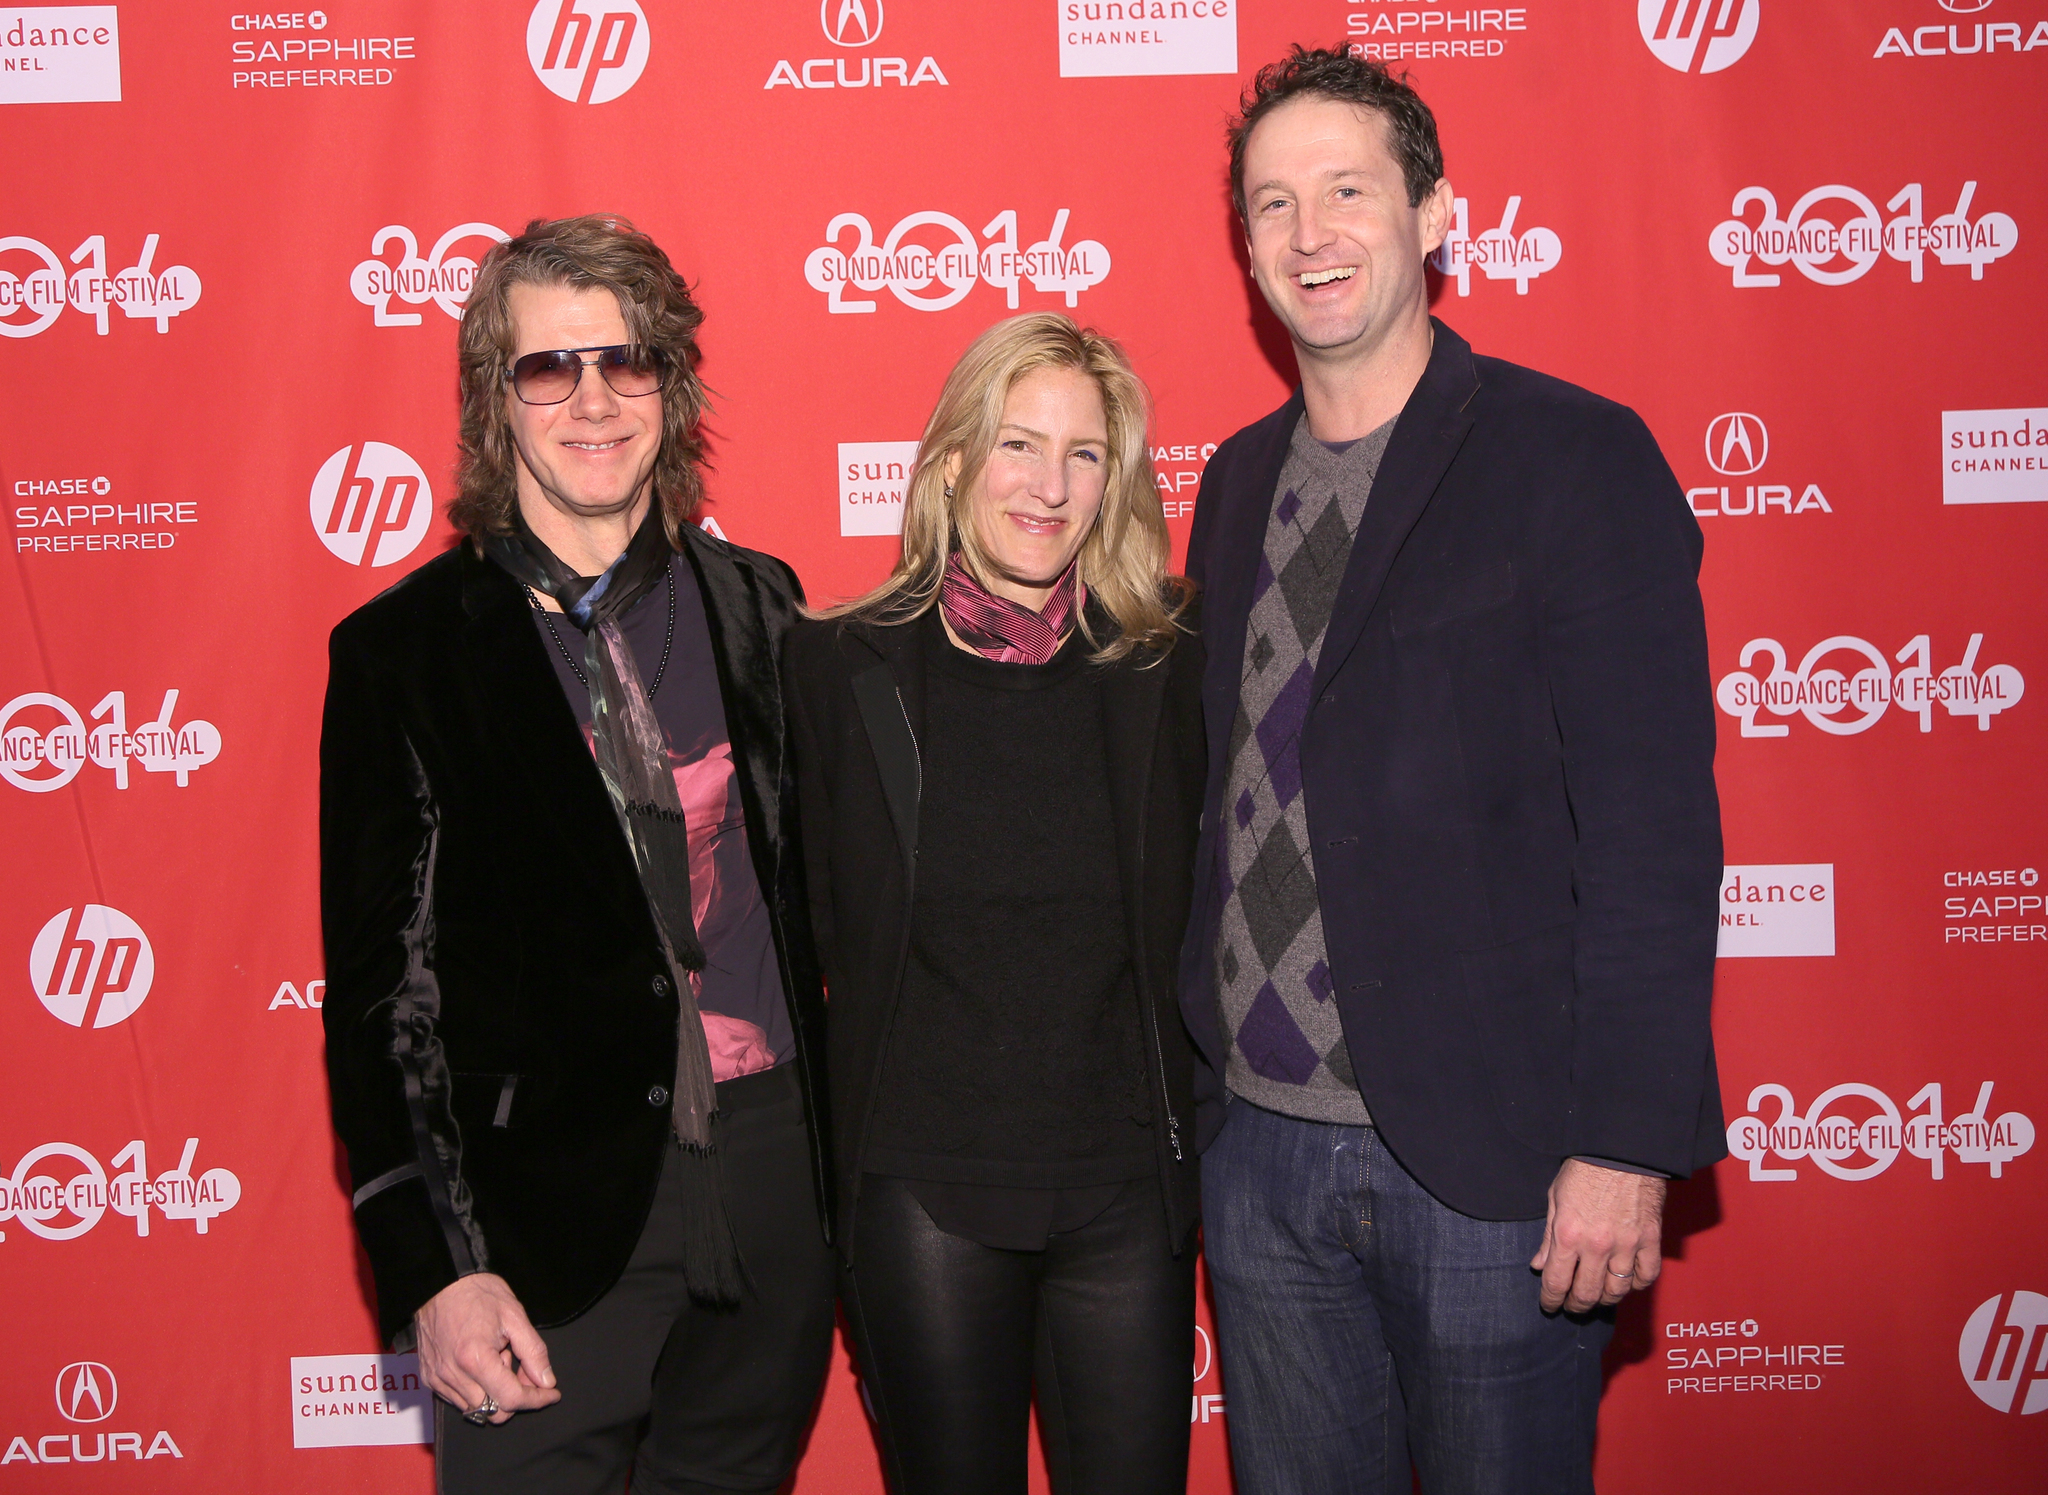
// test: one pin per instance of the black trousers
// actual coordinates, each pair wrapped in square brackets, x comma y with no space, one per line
[686,1400]
[952,1334]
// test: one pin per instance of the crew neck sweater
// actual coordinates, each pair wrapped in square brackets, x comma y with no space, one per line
[1015,1057]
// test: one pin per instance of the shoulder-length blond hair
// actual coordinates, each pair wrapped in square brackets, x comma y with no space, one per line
[596,251]
[1123,560]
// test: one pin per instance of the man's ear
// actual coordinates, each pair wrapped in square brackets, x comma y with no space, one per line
[1435,213]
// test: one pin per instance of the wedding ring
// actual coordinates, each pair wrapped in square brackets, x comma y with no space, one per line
[1623,1275]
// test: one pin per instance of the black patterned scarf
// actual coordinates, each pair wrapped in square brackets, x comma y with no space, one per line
[632,756]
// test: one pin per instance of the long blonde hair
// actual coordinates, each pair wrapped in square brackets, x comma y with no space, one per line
[1123,560]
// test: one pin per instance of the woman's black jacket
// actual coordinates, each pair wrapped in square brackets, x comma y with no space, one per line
[857,714]
[501,1032]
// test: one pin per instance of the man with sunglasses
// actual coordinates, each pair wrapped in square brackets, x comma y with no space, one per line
[574,1044]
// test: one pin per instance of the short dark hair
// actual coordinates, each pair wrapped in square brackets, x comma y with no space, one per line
[1333,73]
[596,251]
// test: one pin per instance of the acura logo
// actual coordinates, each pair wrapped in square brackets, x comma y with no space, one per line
[1737,444]
[1965,7]
[86,1391]
[850,23]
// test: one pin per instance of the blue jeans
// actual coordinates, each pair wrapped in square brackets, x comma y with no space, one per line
[1362,1324]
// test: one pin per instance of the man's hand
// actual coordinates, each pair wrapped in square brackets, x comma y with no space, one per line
[475,1340]
[1604,1236]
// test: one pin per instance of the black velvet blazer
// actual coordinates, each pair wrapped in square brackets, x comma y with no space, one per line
[1509,769]
[857,714]
[500,1028]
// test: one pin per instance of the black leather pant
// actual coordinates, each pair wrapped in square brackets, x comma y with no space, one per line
[952,1334]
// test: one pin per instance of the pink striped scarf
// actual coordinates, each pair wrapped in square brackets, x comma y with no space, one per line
[1002,630]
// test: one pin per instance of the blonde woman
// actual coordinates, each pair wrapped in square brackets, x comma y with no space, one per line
[1000,759]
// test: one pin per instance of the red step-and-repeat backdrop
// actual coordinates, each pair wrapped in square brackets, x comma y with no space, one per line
[1805,238]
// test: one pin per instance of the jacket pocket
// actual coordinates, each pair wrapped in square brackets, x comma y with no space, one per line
[1490,586]
[1519,1007]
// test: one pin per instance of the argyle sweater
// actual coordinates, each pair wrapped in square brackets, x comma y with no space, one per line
[1272,971]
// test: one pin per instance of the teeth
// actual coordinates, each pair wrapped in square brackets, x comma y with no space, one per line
[1324,277]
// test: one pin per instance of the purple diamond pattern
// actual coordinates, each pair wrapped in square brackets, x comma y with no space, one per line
[1320,986]
[1279,733]
[1271,1042]
[1275,987]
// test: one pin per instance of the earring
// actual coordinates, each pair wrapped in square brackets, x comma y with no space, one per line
[949,490]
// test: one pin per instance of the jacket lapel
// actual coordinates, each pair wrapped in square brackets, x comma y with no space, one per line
[747,621]
[1432,427]
[890,697]
[531,723]
[1132,704]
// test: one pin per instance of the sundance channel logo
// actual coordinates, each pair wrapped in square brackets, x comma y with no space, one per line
[60,54]
[1784,909]
[353,1401]
[1146,38]
[873,478]
[1994,456]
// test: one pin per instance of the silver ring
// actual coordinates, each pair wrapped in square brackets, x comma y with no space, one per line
[1623,1275]
[483,1412]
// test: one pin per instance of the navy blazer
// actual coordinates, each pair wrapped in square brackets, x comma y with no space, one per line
[1509,770]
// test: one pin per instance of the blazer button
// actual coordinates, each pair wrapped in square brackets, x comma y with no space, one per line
[661,986]
[658,1096]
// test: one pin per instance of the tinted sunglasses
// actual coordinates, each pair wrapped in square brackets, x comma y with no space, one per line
[631,369]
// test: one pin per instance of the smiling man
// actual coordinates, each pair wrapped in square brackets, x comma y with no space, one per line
[1453,945]
[573,1036]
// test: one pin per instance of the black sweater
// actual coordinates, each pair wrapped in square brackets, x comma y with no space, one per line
[859,718]
[1016,1055]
